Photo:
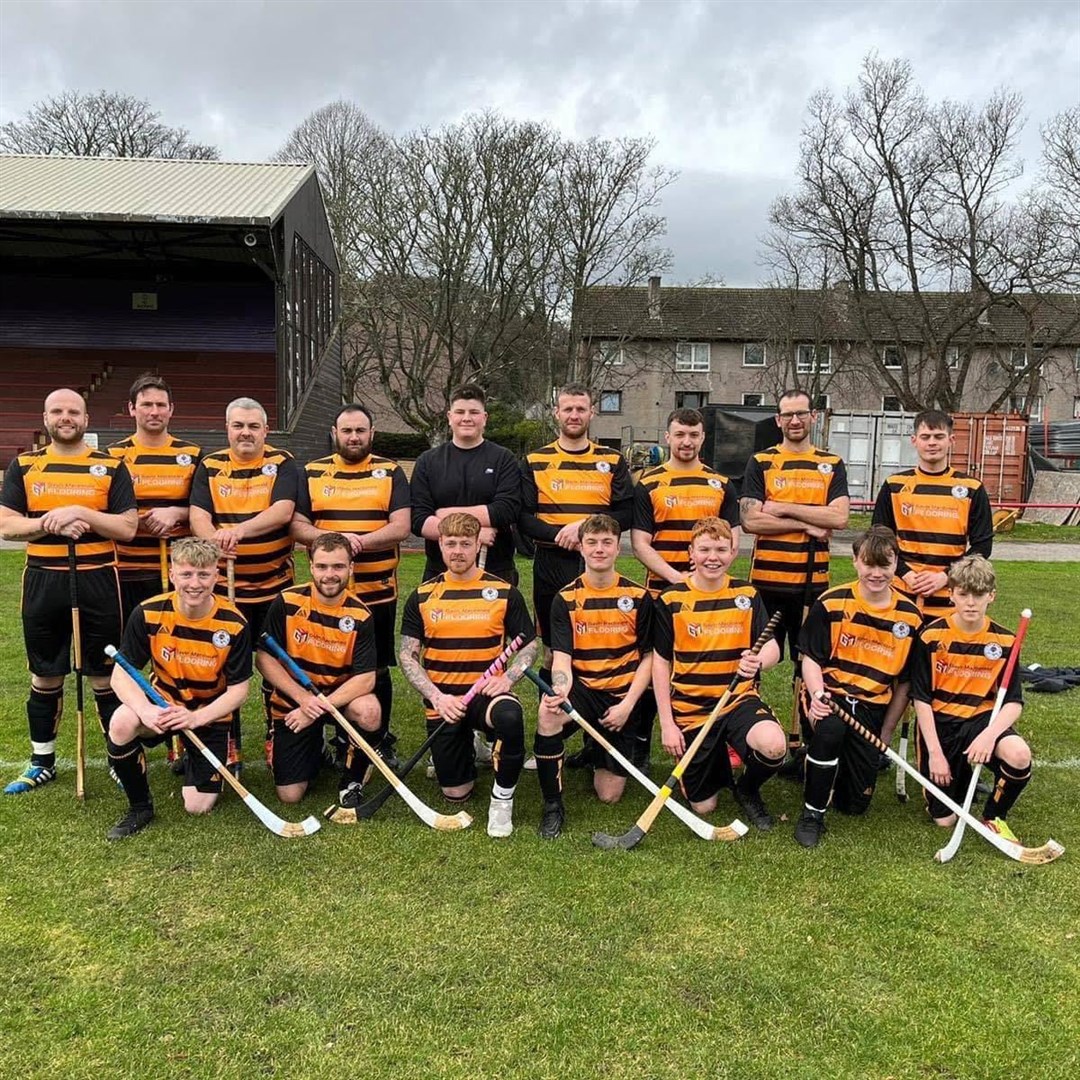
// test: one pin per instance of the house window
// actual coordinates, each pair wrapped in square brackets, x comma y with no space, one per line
[891,357]
[691,399]
[952,357]
[809,358]
[753,399]
[611,353]
[692,356]
[1076,408]
[611,401]
[1018,403]
[1076,360]
[1018,359]
[753,354]
[890,403]
[821,402]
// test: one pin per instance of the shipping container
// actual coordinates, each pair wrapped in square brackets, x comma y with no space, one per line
[873,445]
[993,447]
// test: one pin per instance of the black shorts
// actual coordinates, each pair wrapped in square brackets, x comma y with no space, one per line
[711,768]
[295,757]
[857,774]
[790,605]
[553,570]
[632,742]
[134,590]
[383,618]
[198,772]
[255,614]
[452,752]
[47,615]
[955,739]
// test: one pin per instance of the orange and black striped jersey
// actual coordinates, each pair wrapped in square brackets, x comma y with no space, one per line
[233,492]
[358,498]
[938,518]
[462,626]
[815,478]
[702,635]
[959,674]
[42,480]
[669,502]
[862,651]
[331,643]
[605,632]
[193,660]
[161,476]
[561,486]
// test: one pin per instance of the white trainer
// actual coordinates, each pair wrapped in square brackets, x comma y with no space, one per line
[530,763]
[500,817]
[483,750]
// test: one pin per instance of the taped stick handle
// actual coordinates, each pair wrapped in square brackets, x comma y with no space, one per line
[493,668]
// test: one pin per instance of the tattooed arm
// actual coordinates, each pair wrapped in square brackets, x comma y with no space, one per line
[503,683]
[446,705]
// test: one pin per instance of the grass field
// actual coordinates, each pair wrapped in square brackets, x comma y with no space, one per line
[211,948]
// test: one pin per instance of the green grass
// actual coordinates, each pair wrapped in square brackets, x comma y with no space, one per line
[210,948]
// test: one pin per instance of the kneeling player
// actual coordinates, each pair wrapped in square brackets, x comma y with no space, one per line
[200,653]
[329,631]
[703,630]
[856,645]
[956,670]
[601,628]
[452,629]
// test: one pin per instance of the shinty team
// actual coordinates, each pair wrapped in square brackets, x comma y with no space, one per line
[108,533]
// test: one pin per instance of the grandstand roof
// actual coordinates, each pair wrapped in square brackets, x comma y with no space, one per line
[61,188]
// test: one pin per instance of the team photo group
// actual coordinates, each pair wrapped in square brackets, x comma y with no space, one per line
[164,574]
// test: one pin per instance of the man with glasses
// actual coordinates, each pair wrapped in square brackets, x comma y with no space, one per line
[793,496]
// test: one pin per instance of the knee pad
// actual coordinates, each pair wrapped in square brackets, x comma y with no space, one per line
[508,720]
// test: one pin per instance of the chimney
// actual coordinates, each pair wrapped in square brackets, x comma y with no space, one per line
[654,297]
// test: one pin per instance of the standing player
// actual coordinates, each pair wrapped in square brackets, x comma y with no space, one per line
[472,476]
[161,468]
[366,498]
[199,649]
[326,628]
[939,515]
[956,672]
[601,629]
[242,498]
[563,484]
[61,499]
[453,627]
[793,495]
[670,498]
[704,629]
[855,646]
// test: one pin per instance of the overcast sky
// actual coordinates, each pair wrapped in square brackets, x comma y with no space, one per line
[721,86]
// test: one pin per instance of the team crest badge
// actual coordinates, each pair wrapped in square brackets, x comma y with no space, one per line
[299,636]
[714,483]
[625,604]
[960,492]
[824,467]
[379,474]
[743,602]
[221,638]
[183,459]
[992,651]
[269,469]
[346,624]
[901,630]
[167,653]
[490,594]
[603,466]
[98,470]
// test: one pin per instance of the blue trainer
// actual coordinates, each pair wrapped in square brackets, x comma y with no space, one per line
[34,776]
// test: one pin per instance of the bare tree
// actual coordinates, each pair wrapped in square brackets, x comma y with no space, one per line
[102,124]
[910,205]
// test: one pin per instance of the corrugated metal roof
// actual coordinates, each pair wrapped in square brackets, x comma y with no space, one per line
[146,189]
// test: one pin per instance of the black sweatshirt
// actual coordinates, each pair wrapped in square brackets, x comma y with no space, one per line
[484,475]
